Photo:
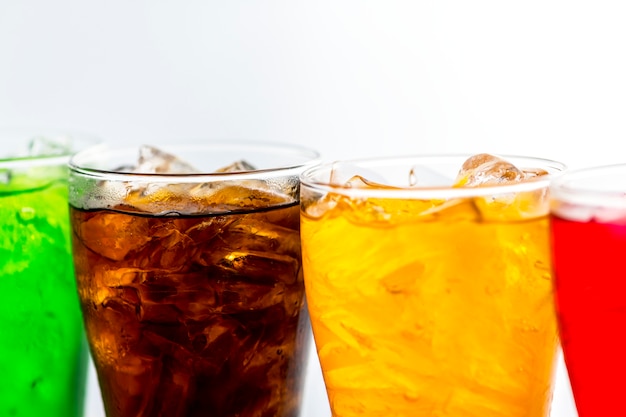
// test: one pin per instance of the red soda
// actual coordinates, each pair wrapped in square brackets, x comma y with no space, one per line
[590,284]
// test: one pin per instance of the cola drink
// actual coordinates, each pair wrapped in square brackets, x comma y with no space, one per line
[192,297]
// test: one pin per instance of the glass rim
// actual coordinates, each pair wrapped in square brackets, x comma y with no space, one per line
[554,168]
[568,189]
[309,157]
[84,139]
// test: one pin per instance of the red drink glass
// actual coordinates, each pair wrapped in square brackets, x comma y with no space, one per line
[588,231]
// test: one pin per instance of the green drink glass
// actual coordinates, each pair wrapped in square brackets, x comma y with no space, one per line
[43,353]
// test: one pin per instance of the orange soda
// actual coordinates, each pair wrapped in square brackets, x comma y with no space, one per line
[431,301]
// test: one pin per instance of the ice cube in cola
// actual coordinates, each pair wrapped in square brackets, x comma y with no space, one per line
[198,313]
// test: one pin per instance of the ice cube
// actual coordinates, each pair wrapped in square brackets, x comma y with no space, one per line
[216,189]
[121,234]
[420,176]
[169,248]
[168,296]
[49,146]
[236,296]
[403,279]
[317,209]
[530,173]
[238,195]
[254,235]
[158,312]
[456,209]
[360,182]
[254,266]
[184,198]
[156,161]
[237,166]
[486,169]
[349,175]
[120,278]
[216,335]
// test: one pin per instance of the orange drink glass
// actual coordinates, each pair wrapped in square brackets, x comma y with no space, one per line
[429,285]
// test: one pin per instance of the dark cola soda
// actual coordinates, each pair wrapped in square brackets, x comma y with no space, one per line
[194,315]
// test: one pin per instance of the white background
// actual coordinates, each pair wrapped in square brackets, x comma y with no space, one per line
[349,77]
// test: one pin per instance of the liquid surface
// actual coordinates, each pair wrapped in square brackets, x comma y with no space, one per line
[590,278]
[42,349]
[423,309]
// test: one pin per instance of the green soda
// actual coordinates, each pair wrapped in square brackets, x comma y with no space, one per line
[43,353]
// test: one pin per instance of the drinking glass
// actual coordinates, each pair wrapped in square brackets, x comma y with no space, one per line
[189,274]
[428,284]
[588,231]
[42,348]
